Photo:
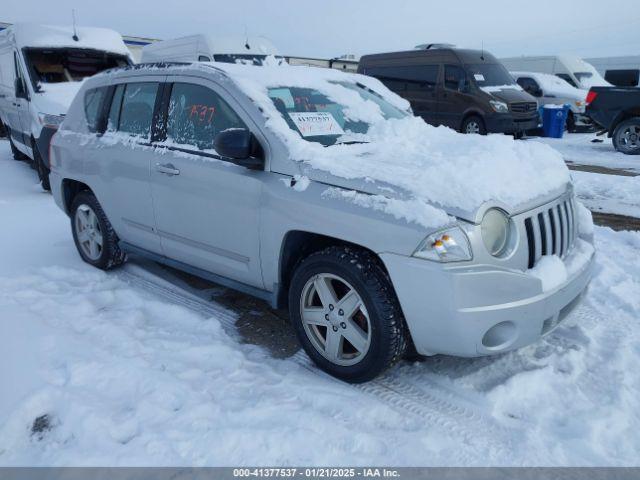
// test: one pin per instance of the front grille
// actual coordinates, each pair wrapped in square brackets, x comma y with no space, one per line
[523,107]
[551,231]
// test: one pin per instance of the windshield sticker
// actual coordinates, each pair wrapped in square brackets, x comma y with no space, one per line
[313,124]
[479,77]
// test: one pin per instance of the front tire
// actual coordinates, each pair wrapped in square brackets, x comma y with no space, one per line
[626,136]
[474,125]
[95,239]
[346,314]
[42,169]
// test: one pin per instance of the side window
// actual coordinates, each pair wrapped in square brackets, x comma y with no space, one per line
[18,71]
[529,85]
[567,78]
[418,77]
[203,58]
[93,106]
[114,110]
[197,114]
[136,112]
[454,77]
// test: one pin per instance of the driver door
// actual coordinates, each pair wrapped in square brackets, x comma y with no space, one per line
[207,209]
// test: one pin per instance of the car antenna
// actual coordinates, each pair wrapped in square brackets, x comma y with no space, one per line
[482,50]
[246,37]
[75,33]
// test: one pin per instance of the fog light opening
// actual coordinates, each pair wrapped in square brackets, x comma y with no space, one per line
[500,336]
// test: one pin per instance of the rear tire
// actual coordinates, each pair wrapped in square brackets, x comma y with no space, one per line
[17,154]
[473,125]
[626,136]
[95,239]
[42,169]
[324,289]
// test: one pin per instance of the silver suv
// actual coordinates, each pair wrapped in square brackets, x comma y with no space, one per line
[197,167]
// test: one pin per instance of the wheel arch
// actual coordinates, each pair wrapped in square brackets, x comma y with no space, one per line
[299,244]
[70,189]
[471,113]
[621,117]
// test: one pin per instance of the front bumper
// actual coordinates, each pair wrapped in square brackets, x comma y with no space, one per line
[509,123]
[477,310]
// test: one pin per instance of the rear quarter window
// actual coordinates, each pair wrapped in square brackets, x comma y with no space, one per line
[93,100]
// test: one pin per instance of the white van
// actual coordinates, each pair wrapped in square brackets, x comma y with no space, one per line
[574,70]
[549,89]
[41,69]
[210,48]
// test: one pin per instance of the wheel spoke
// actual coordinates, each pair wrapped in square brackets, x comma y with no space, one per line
[98,238]
[94,249]
[356,337]
[350,303]
[333,344]
[83,236]
[325,291]
[314,316]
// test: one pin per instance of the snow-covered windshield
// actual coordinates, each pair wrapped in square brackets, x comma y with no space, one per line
[318,118]
[62,65]
[489,74]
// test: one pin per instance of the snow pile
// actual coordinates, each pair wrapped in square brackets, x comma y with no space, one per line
[434,165]
[498,88]
[551,271]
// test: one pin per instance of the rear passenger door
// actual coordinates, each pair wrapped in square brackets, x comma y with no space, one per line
[117,163]
[207,209]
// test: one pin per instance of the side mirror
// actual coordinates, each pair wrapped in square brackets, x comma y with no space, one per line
[18,86]
[240,146]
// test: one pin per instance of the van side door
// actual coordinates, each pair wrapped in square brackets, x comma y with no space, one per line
[421,90]
[207,208]
[16,107]
[454,97]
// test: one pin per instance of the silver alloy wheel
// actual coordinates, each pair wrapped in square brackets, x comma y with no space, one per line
[629,138]
[472,127]
[335,319]
[88,232]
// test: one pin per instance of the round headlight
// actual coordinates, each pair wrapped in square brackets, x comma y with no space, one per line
[495,231]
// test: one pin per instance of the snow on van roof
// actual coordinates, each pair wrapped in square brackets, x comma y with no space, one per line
[35,35]
[434,166]
[552,84]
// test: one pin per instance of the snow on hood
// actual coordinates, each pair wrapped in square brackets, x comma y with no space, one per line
[55,36]
[55,98]
[435,166]
[498,88]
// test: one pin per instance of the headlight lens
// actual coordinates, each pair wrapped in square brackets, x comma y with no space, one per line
[495,231]
[499,106]
[449,245]
[52,121]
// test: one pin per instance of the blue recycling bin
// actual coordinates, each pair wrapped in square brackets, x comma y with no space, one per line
[554,118]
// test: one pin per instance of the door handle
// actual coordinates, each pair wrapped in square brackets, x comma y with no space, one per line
[167,169]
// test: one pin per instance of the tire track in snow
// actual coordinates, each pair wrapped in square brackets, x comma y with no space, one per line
[437,407]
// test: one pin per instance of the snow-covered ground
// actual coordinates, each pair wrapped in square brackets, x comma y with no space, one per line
[131,370]
[577,148]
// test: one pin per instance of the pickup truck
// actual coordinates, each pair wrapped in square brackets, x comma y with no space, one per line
[617,111]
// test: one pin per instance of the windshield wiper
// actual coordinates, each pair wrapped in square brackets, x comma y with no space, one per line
[348,142]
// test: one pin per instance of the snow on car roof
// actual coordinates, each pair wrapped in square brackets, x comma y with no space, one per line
[552,83]
[434,165]
[55,36]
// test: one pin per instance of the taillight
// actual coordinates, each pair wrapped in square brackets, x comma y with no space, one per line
[591,96]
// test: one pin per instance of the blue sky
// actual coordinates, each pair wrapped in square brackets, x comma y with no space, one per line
[588,28]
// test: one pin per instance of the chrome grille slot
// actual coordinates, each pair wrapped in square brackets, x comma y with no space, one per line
[523,107]
[551,231]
